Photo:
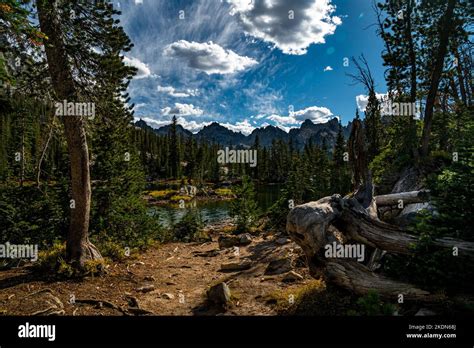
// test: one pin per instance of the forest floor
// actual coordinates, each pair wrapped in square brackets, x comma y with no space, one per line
[167,279]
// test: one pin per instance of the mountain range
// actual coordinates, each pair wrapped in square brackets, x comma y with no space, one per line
[318,133]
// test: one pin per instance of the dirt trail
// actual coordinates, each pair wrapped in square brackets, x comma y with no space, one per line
[170,279]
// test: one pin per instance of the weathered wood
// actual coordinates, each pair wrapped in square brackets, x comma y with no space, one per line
[358,278]
[362,228]
[405,197]
[308,225]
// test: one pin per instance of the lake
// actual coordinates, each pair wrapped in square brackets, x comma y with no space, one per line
[215,211]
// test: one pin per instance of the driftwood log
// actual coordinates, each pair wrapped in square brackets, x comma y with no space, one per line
[406,197]
[312,226]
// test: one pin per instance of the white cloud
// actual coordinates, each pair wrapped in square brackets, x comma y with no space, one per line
[292,26]
[317,114]
[192,126]
[143,69]
[363,99]
[328,68]
[243,127]
[182,110]
[171,91]
[208,57]
[152,122]
[138,2]
[139,105]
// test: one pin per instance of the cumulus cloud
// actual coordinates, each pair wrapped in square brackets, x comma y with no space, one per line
[143,69]
[171,91]
[243,127]
[328,68]
[208,57]
[317,114]
[362,100]
[195,126]
[182,110]
[291,26]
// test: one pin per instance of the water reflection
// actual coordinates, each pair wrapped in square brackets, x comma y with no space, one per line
[213,211]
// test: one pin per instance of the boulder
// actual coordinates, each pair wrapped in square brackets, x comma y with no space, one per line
[411,211]
[219,294]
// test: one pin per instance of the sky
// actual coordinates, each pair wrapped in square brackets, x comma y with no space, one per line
[248,63]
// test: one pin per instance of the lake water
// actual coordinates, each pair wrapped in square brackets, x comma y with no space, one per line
[215,211]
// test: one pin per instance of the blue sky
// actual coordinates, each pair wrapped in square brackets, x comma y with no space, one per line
[248,63]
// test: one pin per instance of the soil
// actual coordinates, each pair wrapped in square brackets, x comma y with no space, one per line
[168,279]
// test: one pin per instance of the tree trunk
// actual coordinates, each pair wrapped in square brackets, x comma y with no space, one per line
[446,28]
[78,248]
[406,197]
[311,226]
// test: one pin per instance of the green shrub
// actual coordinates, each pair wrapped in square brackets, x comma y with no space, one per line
[244,208]
[127,223]
[31,216]
[370,305]
[53,263]
[190,228]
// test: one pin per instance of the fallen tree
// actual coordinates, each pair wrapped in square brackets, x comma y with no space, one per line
[405,197]
[314,225]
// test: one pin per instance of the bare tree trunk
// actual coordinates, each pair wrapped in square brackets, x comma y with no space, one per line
[446,28]
[311,226]
[79,249]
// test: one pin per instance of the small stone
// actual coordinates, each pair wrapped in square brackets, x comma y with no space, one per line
[219,294]
[282,241]
[146,288]
[245,239]
[236,266]
[279,266]
[167,296]
[292,276]
[150,278]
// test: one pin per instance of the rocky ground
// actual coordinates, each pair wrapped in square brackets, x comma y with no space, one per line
[171,279]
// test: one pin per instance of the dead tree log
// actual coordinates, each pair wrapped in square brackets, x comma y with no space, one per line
[308,225]
[405,197]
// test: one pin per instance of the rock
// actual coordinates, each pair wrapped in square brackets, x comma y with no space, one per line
[279,266]
[411,211]
[207,253]
[219,294]
[167,296]
[146,288]
[245,239]
[424,312]
[282,241]
[150,278]
[236,266]
[170,283]
[230,241]
[292,276]
[133,301]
